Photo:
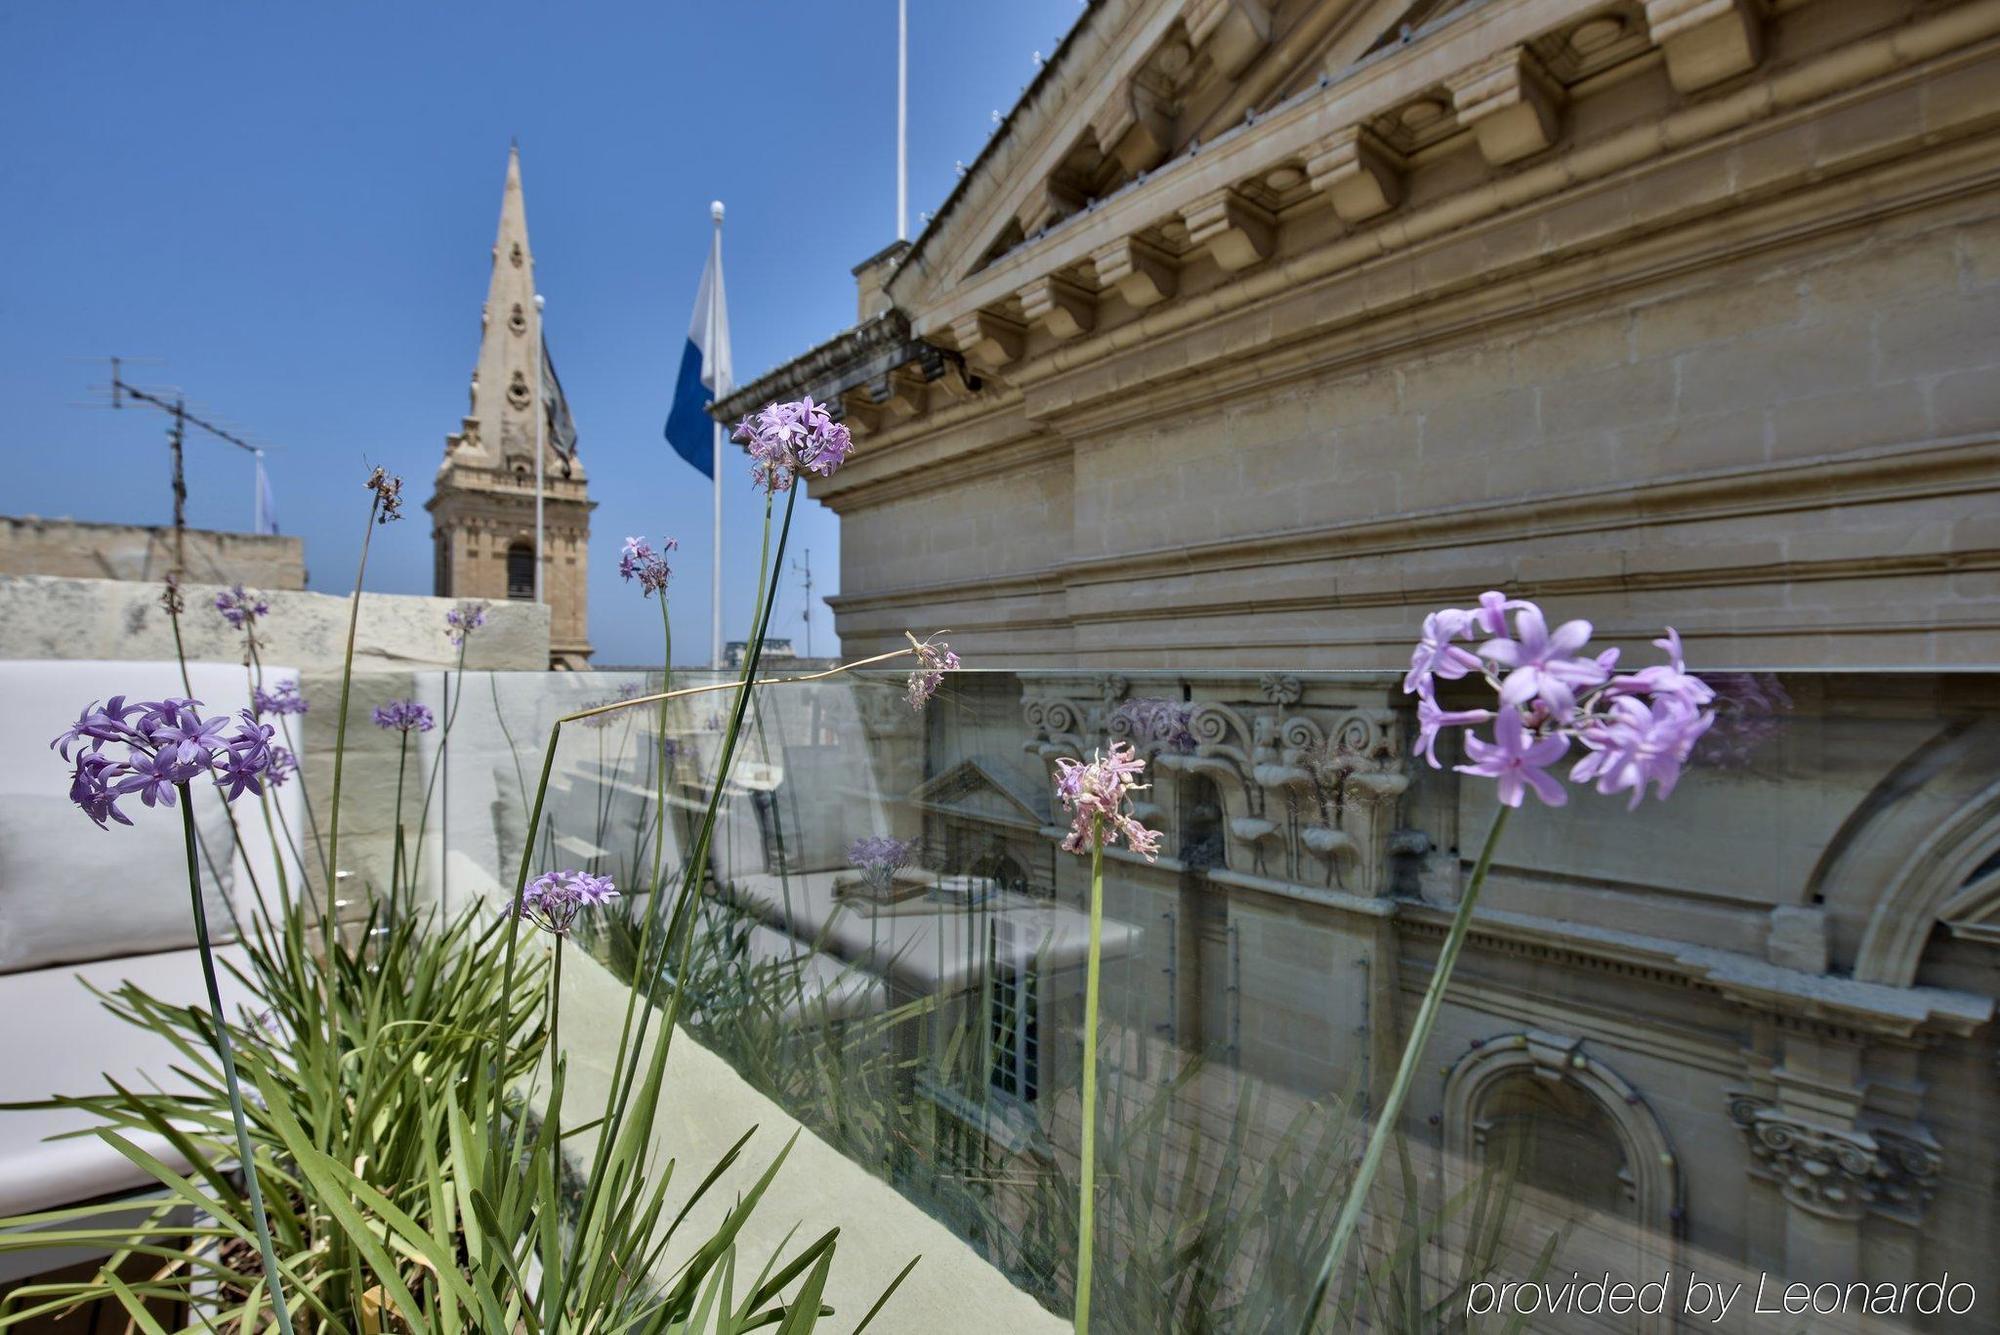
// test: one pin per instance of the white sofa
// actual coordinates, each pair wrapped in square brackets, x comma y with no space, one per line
[81,905]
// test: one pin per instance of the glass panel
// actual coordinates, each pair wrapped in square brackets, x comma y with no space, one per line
[1740,1036]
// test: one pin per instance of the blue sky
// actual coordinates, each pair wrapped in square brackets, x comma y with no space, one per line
[291,206]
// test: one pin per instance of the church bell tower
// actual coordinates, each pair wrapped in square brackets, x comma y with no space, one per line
[483,504]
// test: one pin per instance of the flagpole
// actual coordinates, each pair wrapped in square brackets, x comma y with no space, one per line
[902,120]
[719,390]
[257,501]
[541,426]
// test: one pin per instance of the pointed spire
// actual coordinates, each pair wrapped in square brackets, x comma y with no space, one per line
[499,430]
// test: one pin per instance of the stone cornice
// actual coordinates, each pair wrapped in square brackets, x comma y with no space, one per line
[1875,475]
[1840,1005]
[1467,284]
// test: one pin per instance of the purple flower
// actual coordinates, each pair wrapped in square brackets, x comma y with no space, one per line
[1638,729]
[1436,655]
[553,900]
[282,765]
[639,561]
[933,661]
[282,699]
[153,776]
[1517,760]
[879,857]
[1431,719]
[404,716]
[785,439]
[241,609]
[1637,744]
[166,743]
[1096,794]
[1545,664]
[462,620]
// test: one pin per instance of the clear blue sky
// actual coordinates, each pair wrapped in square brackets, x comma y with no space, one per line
[292,206]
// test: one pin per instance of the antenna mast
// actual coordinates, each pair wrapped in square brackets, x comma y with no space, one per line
[806,573]
[121,390]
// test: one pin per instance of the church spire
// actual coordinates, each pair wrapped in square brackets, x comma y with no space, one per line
[483,505]
[499,427]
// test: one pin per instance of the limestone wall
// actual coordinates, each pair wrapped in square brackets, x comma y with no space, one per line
[52,617]
[30,545]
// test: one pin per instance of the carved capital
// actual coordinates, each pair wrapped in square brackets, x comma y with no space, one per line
[987,340]
[1836,1171]
[1706,41]
[1142,273]
[1237,232]
[1510,104]
[1360,174]
[1059,306]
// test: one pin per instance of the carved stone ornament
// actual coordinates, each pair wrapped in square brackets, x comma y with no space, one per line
[1839,1172]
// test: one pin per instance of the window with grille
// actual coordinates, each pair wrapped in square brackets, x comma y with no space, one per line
[1015,1033]
[521,572]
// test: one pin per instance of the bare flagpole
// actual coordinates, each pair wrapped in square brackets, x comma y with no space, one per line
[541,426]
[902,120]
[712,352]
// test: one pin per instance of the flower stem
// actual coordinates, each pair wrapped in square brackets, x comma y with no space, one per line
[340,748]
[1406,1074]
[244,1153]
[1086,1214]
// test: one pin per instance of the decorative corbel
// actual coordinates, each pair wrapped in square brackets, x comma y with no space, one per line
[1059,306]
[1237,232]
[988,340]
[1142,273]
[1232,32]
[1134,128]
[1361,175]
[1705,41]
[1510,103]
[1049,202]
[859,412]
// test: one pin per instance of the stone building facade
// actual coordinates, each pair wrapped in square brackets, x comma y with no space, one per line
[483,505]
[1263,327]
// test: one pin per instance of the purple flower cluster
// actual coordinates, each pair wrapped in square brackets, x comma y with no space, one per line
[461,621]
[639,561]
[166,743]
[1636,729]
[404,716]
[1095,795]
[786,439]
[282,699]
[553,900]
[241,609]
[878,857]
[933,661]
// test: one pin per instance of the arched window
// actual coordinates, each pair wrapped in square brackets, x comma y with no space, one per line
[521,572]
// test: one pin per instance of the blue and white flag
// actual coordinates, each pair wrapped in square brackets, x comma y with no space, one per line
[705,370]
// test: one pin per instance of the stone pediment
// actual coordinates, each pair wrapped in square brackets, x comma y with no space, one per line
[972,790]
[1134,84]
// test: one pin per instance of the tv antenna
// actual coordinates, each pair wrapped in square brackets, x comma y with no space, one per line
[177,409]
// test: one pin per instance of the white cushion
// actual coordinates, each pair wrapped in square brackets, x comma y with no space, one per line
[61,1040]
[70,891]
